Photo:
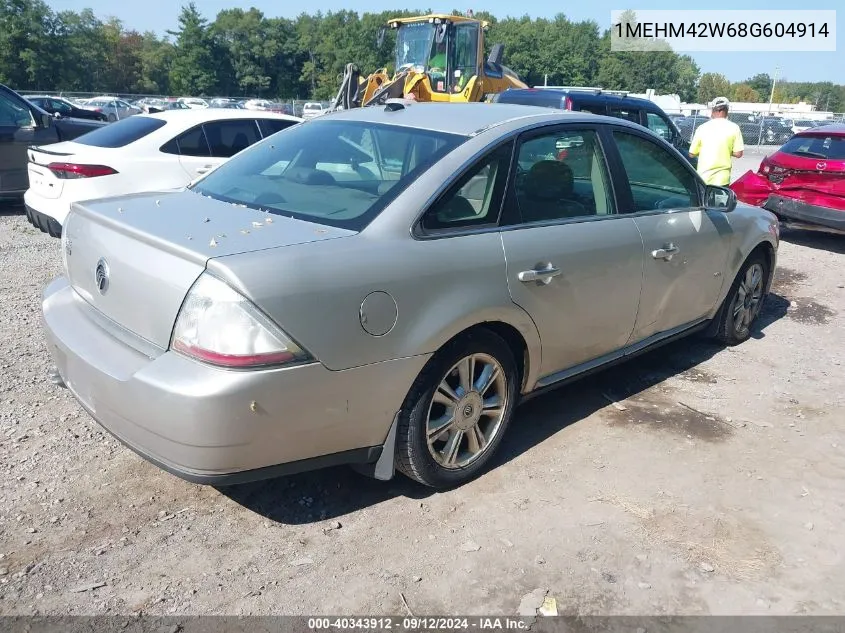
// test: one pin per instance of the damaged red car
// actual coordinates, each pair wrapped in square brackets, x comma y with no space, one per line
[803,183]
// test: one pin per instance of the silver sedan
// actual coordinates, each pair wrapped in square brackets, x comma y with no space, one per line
[381,286]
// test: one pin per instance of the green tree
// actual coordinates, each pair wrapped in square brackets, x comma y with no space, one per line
[156,58]
[745,93]
[26,44]
[193,70]
[762,83]
[712,85]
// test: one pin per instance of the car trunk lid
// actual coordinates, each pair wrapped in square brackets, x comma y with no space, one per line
[133,258]
[47,183]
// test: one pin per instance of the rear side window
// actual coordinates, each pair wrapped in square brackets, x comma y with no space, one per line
[629,114]
[121,133]
[271,126]
[227,138]
[190,143]
[827,147]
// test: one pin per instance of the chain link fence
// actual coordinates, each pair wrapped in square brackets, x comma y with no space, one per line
[761,128]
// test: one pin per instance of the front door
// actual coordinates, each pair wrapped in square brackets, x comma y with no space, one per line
[572,263]
[17,132]
[686,246]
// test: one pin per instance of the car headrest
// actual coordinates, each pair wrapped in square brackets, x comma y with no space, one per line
[549,180]
[308,176]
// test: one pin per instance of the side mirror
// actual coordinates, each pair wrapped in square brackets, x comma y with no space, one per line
[380,36]
[44,119]
[719,198]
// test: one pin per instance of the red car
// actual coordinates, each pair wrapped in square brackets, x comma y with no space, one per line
[804,181]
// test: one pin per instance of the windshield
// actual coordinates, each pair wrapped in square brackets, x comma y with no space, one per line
[339,173]
[816,146]
[415,44]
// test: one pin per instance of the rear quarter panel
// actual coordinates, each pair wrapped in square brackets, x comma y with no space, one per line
[440,288]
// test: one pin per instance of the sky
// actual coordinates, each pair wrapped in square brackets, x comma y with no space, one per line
[161,15]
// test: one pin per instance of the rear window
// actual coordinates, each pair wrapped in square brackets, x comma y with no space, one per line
[121,133]
[827,147]
[339,173]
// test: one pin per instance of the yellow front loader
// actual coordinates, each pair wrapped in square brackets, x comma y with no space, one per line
[439,58]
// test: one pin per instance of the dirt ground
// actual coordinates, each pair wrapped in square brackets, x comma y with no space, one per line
[714,485]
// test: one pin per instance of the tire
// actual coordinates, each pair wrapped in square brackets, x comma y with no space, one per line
[458,451]
[112,118]
[731,329]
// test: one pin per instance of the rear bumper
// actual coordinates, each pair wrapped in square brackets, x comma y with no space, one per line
[215,426]
[43,221]
[800,211]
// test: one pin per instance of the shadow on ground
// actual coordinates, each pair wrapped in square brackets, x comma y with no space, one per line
[815,239]
[331,493]
[11,207]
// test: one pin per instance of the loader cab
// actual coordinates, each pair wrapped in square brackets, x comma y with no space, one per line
[446,49]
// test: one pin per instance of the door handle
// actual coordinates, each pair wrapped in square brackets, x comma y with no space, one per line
[203,170]
[666,253]
[543,275]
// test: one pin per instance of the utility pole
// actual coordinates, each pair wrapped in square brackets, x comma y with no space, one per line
[774,83]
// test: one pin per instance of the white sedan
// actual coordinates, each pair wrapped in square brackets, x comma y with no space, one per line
[146,152]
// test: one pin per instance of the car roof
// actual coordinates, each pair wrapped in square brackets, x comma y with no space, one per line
[586,95]
[453,118]
[832,129]
[192,117]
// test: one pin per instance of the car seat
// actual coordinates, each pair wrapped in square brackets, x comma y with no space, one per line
[548,192]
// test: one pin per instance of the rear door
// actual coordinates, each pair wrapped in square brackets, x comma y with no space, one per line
[573,263]
[686,245]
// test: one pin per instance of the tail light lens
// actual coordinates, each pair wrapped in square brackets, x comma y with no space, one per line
[567,103]
[217,325]
[68,171]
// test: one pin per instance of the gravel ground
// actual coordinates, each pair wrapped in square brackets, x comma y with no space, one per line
[715,484]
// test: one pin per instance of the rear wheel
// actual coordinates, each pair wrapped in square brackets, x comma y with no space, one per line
[744,301]
[457,411]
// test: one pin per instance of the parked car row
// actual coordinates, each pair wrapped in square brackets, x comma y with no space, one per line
[298,305]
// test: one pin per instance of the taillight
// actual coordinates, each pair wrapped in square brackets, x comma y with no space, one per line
[567,104]
[68,171]
[217,325]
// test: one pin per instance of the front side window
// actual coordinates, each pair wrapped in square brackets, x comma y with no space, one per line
[562,175]
[13,114]
[271,126]
[476,199]
[658,180]
[625,113]
[659,125]
[340,173]
[61,106]
[227,138]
